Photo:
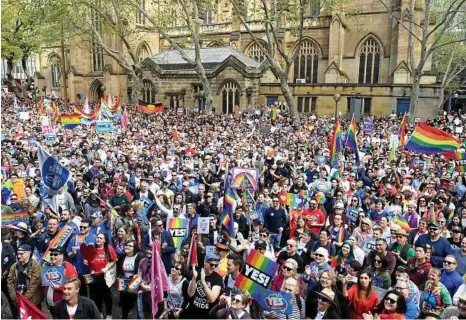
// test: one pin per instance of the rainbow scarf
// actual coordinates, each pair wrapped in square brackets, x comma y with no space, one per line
[266,267]
[403,131]
[70,121]
[9,219]
[59,241]
[335,145]
[426,139]
[352,141]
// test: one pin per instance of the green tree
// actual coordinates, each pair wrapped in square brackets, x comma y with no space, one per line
[191,11]
[428,28]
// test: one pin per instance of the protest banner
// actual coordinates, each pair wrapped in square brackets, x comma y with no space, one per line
[293,200]
[203,225]
[369,245]
[14,218]
[178,228]
[460,162]
[257,273]
[278,302]
[245,178]
[104,126]
[53,274]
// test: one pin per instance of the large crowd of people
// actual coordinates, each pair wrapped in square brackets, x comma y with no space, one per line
[342,253]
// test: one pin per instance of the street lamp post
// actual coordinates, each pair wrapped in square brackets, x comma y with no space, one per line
[337,98]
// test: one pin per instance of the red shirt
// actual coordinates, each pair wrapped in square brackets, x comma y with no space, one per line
[317,216]
[359,305]
[100,260]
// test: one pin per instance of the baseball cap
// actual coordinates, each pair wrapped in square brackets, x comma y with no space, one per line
[260,244]
[24,247]
[97,214]
[211,256]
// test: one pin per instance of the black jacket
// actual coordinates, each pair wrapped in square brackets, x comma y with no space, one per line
[86,310]
[121,259]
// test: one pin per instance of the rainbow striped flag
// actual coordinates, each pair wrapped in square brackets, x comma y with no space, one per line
[399,220]
[150,108]
[460,162]
[403,132]
[426,139]
[9,219]
[227,227]
[257,273]
[320,197]
[335,145]
[292,200]
[352,141]
[178,227]
[341,235]
[59,241]
[70,121]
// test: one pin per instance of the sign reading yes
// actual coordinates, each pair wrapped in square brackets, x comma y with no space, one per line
[256,275]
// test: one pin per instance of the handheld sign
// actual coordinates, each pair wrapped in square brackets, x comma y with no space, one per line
[178,228]
[52,274]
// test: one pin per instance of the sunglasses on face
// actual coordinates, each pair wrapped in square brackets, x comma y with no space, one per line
[54,254]
[83,227]
[237,300]
[323,299]
[287,268]
[390,300]
[449,262]
[179,269]
[319,255]
[213,265]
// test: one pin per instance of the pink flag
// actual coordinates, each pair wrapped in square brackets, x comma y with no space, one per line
[159,280]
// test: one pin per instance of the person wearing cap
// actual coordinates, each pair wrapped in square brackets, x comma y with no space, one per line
[24,276]
[401,249]
[456,236]
[188,196]
[326,306]
[204,288]
[54,291]
[441,246]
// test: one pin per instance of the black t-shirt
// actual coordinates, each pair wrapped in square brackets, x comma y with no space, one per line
[200,304]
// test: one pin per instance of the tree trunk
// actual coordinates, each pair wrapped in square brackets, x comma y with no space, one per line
[136,93]
[415,90]
[17,89]
[205,86]
[292,107]
[441,97]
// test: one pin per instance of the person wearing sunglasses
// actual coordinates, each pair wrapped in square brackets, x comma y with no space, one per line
[73,251]
[235,308]
[204,288]
[175,300]
[288,270]
[326,306]
[450,276]
[24,277]
[54,291]
[298,306]
[393,306]
[440,246]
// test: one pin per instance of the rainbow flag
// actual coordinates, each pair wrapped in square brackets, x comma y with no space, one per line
[228,231]
[222,268]
[9,219]
[320,197]
[341,235]
[460,162]
[292,200]
[70,121]
[426,139]
[59,241]
[91,115]
[335,145]
[178,228]
[150,108]
[256,262]
[352,140]
[399,220]
[403,131]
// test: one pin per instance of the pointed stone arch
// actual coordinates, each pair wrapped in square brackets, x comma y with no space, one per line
[215,44]
[143,51]
[364,39]
[96,91]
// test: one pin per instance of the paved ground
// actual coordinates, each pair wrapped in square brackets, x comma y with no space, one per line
[116,312]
